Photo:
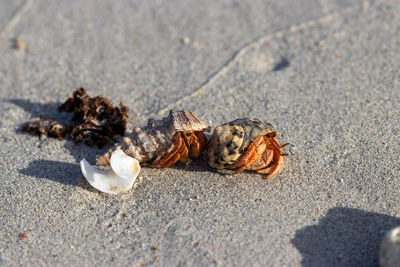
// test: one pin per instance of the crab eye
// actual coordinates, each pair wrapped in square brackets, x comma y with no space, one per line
[188,134]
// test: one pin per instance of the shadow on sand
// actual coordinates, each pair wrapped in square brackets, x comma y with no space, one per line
[47,110]
[344,237]
[65,173]
[62,172]
[199,164]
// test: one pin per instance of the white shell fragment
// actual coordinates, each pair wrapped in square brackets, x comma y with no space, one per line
[119,178]
[390,249]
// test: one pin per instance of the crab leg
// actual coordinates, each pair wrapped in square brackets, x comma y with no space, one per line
[268,157]
[276,165]
[177,145]
[192,144]
[264,161]
[253,153]
[196,142]
[177,156]
[202,140]
[185,154]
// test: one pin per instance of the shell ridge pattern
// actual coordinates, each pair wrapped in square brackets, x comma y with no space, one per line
[185,120]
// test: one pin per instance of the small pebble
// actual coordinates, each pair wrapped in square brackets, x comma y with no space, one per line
[189,41]
[19,44]
[23,236]
[390,249]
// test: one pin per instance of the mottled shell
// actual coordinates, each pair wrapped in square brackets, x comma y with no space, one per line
[153,141]
[231,139]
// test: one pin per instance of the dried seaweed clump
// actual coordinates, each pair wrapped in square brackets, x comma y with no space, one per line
[47,127]
[95,120]
[98,120]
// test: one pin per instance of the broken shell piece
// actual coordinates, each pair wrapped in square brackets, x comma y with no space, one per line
[119,178]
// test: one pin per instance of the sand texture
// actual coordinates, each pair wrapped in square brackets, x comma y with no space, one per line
[324,73]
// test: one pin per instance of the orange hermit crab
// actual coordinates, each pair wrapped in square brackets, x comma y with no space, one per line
[246,144]
[164,142]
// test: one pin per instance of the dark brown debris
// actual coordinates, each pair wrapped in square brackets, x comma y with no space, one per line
[78,104]
[98,120]
[47,127]
[95,120]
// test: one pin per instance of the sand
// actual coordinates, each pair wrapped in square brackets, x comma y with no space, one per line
[324,73]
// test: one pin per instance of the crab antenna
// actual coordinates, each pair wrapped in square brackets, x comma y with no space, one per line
[284,145]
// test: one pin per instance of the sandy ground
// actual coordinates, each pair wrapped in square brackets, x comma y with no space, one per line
[324,73]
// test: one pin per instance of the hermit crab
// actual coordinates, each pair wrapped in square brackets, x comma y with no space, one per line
[164,142]
[246,144]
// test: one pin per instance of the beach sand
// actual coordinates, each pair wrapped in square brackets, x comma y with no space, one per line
[324,73]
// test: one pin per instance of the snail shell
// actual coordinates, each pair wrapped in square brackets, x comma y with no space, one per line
[230,140]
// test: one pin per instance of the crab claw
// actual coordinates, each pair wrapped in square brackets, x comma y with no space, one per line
[119,178]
